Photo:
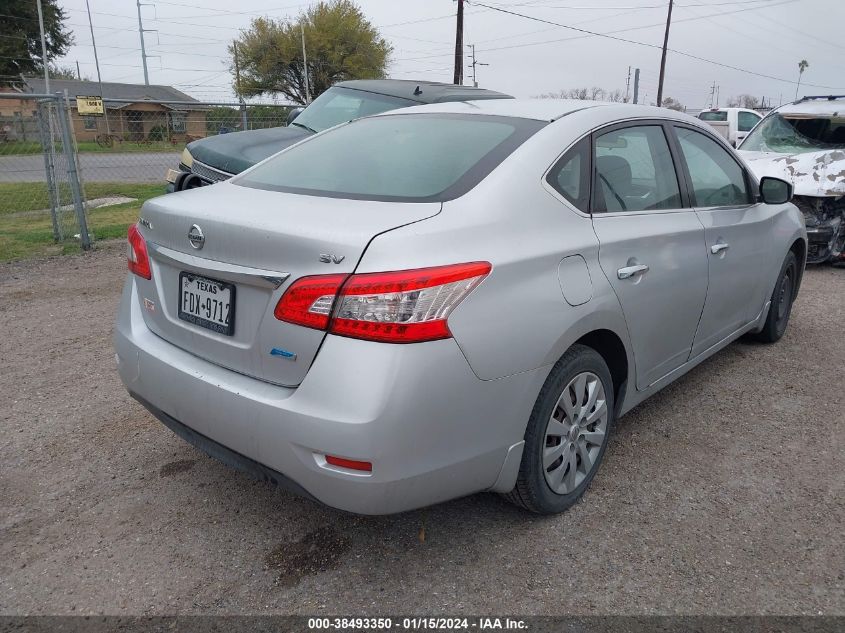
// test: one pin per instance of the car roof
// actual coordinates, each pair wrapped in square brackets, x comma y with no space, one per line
[815,105]
[546,109]
[422,91]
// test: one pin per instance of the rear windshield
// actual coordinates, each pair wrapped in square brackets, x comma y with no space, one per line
[338,104]
[796,134]
[713,116]
[406,157]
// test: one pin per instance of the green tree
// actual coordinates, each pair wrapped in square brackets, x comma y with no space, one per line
[340,44]
[66,72]
[222,117]
[20,38]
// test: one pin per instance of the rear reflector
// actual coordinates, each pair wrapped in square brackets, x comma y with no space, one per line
[406,306]
[136,255]
[349,463]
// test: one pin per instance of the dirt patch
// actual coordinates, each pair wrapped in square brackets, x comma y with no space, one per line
[317,552]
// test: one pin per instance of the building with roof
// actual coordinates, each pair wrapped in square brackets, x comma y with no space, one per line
[133,112]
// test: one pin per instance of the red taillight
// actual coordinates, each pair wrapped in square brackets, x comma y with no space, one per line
[309,301]
[406,306]
[349,463]
[139,260]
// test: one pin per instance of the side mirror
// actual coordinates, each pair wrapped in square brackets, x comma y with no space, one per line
[775,190]
[292,115]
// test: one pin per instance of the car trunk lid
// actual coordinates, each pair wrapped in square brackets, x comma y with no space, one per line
[255,243]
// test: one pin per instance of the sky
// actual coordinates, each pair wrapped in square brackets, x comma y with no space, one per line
[712,42]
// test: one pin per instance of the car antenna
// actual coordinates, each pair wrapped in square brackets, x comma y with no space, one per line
[417,91]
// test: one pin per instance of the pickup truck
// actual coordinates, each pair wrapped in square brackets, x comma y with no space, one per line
[732,123]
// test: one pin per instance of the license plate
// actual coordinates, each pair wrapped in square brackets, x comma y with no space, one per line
[207,303]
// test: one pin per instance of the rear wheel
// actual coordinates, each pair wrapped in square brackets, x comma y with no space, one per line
[567,433]
[782,298]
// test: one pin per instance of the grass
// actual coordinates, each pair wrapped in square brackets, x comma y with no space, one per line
[21,148]
[33,196]
[25,233]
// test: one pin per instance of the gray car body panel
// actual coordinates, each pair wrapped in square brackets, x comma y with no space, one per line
[415,410]
[280,236]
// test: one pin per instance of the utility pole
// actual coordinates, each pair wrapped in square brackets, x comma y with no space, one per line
[143,49]
[305,66]
[663,57]
[636,85]
[78,74]
[713,94]
[44,51]
[459,46]
[97,64]
[474,64]
[628,85]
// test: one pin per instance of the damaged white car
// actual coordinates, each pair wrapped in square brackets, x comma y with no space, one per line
[804,143]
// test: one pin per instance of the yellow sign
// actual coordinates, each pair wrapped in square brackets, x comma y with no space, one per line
[89,106]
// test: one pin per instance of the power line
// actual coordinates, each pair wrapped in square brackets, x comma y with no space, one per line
[590,33]
[653,46]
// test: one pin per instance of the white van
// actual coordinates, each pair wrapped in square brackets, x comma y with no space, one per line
[732,123]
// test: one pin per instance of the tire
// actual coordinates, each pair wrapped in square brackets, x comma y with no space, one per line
[783,296]
[547,483]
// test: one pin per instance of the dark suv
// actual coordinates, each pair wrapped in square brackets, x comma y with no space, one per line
[220,157]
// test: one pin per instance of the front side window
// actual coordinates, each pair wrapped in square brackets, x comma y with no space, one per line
[338,105]
[410,157]
[634,171]
[796,134]
[570,176]
[746,121]
[717,179]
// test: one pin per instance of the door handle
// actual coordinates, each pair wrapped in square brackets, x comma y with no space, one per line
[630,271]
[718,248]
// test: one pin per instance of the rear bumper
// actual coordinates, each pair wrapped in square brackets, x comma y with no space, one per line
[223,454]
[432,430]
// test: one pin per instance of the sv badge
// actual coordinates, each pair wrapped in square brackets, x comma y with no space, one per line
[329,258]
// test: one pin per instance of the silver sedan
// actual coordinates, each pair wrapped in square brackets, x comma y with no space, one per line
[451,298]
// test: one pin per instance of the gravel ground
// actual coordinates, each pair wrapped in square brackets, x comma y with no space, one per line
[721,495]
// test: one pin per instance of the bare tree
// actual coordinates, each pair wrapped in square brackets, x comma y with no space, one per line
[597,94]
[616,96]
[586,94]
[744,101]
[673,104]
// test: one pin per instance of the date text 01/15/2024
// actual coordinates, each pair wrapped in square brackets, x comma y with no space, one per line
[417,623]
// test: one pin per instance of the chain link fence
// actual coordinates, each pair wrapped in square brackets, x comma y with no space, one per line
[69,178]
[39,177]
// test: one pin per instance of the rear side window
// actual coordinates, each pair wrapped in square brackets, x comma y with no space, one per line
[746,121]
[570,176]
[717,179]
[634,171]
[410,157]
[713,116]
